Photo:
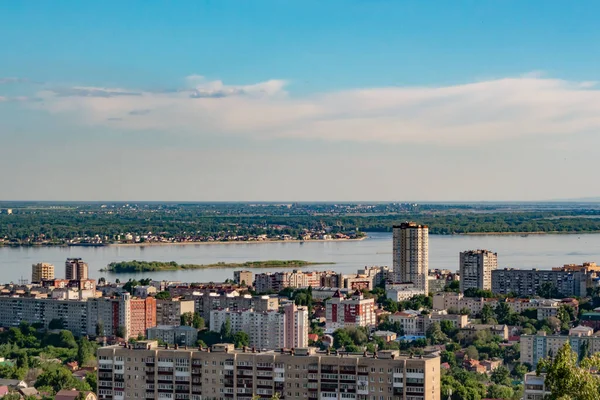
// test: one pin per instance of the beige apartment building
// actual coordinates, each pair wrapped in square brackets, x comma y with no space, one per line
[245,278]
[169,312]
[144,371]
[42,272]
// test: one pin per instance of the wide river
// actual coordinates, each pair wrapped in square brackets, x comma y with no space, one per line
[531,251]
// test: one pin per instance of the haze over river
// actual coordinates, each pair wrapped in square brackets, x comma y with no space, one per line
[516,251]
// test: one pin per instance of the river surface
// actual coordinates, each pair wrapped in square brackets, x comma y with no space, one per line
[531,251]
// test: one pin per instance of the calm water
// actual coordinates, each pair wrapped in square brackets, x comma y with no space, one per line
[539,251]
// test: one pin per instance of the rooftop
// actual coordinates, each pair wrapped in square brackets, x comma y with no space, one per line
[299,352]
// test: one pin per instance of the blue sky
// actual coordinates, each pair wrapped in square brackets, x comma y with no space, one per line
[298,100]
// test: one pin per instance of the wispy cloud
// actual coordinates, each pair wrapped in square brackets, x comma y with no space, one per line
[83,91]
[140,112]
[483,111]
[8,80]
[203,89]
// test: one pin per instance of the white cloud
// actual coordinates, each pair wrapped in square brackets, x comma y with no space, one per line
[462,114]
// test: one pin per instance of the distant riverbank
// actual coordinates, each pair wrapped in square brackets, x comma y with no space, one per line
[236,242]
[529,233]
[154,266]
[143,244]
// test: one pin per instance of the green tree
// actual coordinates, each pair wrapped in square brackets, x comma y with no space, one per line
[92,380]
[519,371]
[453,286]
[58,377]
[163,295]
[435,335]
[487,313]
[130,285]
[472,352]
[100,328]
[198,322]
[390,305]
[565,379]
[241,339]
[341,338]
[584,349]
[448,328]
[503,312]
[548,290]
[121,332]
[565,314]
[500,392]
[57,323]
[501,376]
[67,339]
[475,292]
[226,330]
[187,318]
[85,351]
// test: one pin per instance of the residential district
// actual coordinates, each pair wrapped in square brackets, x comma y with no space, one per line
[405,332]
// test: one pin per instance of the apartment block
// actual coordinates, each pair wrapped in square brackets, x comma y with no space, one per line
[82,317]
[41,271]
[266,330]
[169,311]
[411,254]
[356,311]
[457,302]
[527,282]
[475,268]
[145,371]
[536,347]
[76,269]
[402,291]
[206,301]
[274,282]
[179,335]
[415,323]
[74,314]
[142,315]
[534,386]
[296,326]
[243,278]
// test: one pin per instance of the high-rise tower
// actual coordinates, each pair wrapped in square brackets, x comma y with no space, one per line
[411,254]
[76,269]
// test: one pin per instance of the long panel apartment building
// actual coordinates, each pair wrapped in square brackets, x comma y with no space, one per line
[124,315]
[145,371]
[528,282]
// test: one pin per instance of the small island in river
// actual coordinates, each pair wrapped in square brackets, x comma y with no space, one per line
[150,266]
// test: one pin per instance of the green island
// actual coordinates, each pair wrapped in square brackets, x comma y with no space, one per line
[149,266]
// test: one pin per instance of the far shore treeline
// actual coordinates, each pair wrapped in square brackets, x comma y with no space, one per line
[41,223]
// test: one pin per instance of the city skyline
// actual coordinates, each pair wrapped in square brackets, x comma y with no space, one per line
[302,101]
